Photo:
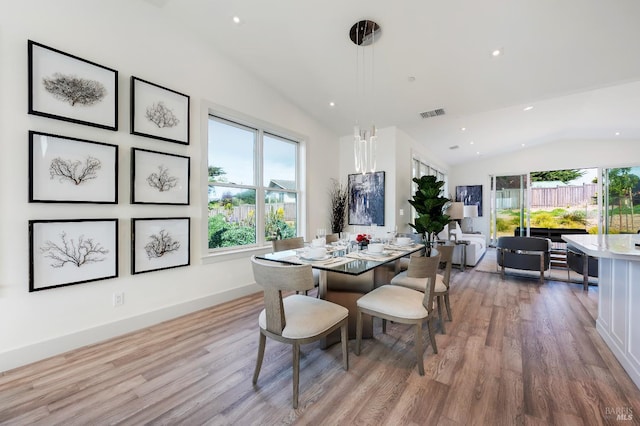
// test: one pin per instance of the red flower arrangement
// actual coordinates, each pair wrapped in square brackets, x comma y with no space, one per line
[363,239]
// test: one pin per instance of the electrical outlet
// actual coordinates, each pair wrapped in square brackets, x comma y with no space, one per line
[118,299]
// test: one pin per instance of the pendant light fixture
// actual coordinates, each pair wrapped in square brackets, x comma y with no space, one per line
[364,33]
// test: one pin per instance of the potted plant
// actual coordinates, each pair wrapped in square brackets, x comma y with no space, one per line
[338,213]
[430,206]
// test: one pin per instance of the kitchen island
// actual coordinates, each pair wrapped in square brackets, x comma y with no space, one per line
[619,294]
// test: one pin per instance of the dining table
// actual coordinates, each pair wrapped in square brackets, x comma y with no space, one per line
[346,273]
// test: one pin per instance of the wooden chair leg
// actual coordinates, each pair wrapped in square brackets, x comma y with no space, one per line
[344,337]
[358,331]
[432,335]
[418,348]
[296,373]
[261,345]
[440,314]
[447,304]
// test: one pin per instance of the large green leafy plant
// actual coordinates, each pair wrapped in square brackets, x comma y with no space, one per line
[430,206]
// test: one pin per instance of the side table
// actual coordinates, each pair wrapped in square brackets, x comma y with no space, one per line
[463,254]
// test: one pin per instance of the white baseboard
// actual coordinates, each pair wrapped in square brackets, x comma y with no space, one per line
[38,351]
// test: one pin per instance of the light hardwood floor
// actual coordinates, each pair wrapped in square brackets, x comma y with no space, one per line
[516,352]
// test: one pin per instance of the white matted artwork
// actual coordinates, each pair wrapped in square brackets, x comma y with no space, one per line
[70,170]
[67,252]
[159,178]
[158,112]
[65,87]
[159,243]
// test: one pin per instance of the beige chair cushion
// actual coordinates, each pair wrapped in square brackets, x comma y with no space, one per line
[395,301]
[298,310]
[440,286]
[418,284]
[403,280]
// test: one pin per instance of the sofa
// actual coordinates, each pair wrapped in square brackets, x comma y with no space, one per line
[475,249]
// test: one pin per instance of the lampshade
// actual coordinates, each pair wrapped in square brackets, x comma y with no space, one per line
[471,211]
[456,210]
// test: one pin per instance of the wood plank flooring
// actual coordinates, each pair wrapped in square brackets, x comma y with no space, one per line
[516,353]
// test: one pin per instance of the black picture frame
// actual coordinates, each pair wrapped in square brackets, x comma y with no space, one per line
[65,87]
[366,198]
[470,195]
[159,177]
[158,112]
[71,170]
[160,243]
[69,252]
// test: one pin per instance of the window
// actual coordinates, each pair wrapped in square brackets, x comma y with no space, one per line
[421,169]
[252,185]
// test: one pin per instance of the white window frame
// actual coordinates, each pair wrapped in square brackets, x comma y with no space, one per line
[262,127]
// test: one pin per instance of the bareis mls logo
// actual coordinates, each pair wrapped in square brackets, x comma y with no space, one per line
[619,413]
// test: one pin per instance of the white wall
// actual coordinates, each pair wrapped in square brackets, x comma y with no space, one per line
[130,37]
[395,150]
[567,154]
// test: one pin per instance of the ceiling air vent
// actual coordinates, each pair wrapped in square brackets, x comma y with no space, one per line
[432,113]
[454,147]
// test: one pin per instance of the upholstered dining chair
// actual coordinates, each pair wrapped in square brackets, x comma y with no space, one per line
[404,305]
[292,244]
[441,290]
[295,319]
[332,238]
[287,244]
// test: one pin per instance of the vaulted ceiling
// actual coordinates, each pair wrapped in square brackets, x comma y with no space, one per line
[576,62]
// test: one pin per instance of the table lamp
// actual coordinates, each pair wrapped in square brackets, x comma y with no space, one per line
[469,213]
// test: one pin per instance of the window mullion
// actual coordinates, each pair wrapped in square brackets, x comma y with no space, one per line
[260,189]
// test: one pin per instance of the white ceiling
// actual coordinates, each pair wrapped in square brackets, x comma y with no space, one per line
[577,62]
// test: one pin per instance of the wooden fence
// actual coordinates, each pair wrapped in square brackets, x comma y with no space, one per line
[240,213]
[561,196]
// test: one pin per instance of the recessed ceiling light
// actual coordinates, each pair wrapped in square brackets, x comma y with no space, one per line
[617,133]
[471,143]
[236,19]
[523,144]
[463,129]
[497,52]
[332,104]
[527,108]
[478,153]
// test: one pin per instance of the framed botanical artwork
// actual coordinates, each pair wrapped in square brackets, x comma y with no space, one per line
[65,87]
[366,198]
[159,178]
[158,112]
[70,170]
[67,252]
[470,195]
[159,243]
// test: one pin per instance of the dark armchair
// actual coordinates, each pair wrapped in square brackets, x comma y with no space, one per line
[580,262]
[524,253]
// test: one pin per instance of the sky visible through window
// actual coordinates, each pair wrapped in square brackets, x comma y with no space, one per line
[232,148]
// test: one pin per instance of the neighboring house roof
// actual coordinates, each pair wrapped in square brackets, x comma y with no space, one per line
[282,184]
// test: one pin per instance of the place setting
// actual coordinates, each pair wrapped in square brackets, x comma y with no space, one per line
[319,256]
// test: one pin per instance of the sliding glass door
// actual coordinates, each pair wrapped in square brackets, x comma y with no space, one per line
[622,202]
[509,207]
